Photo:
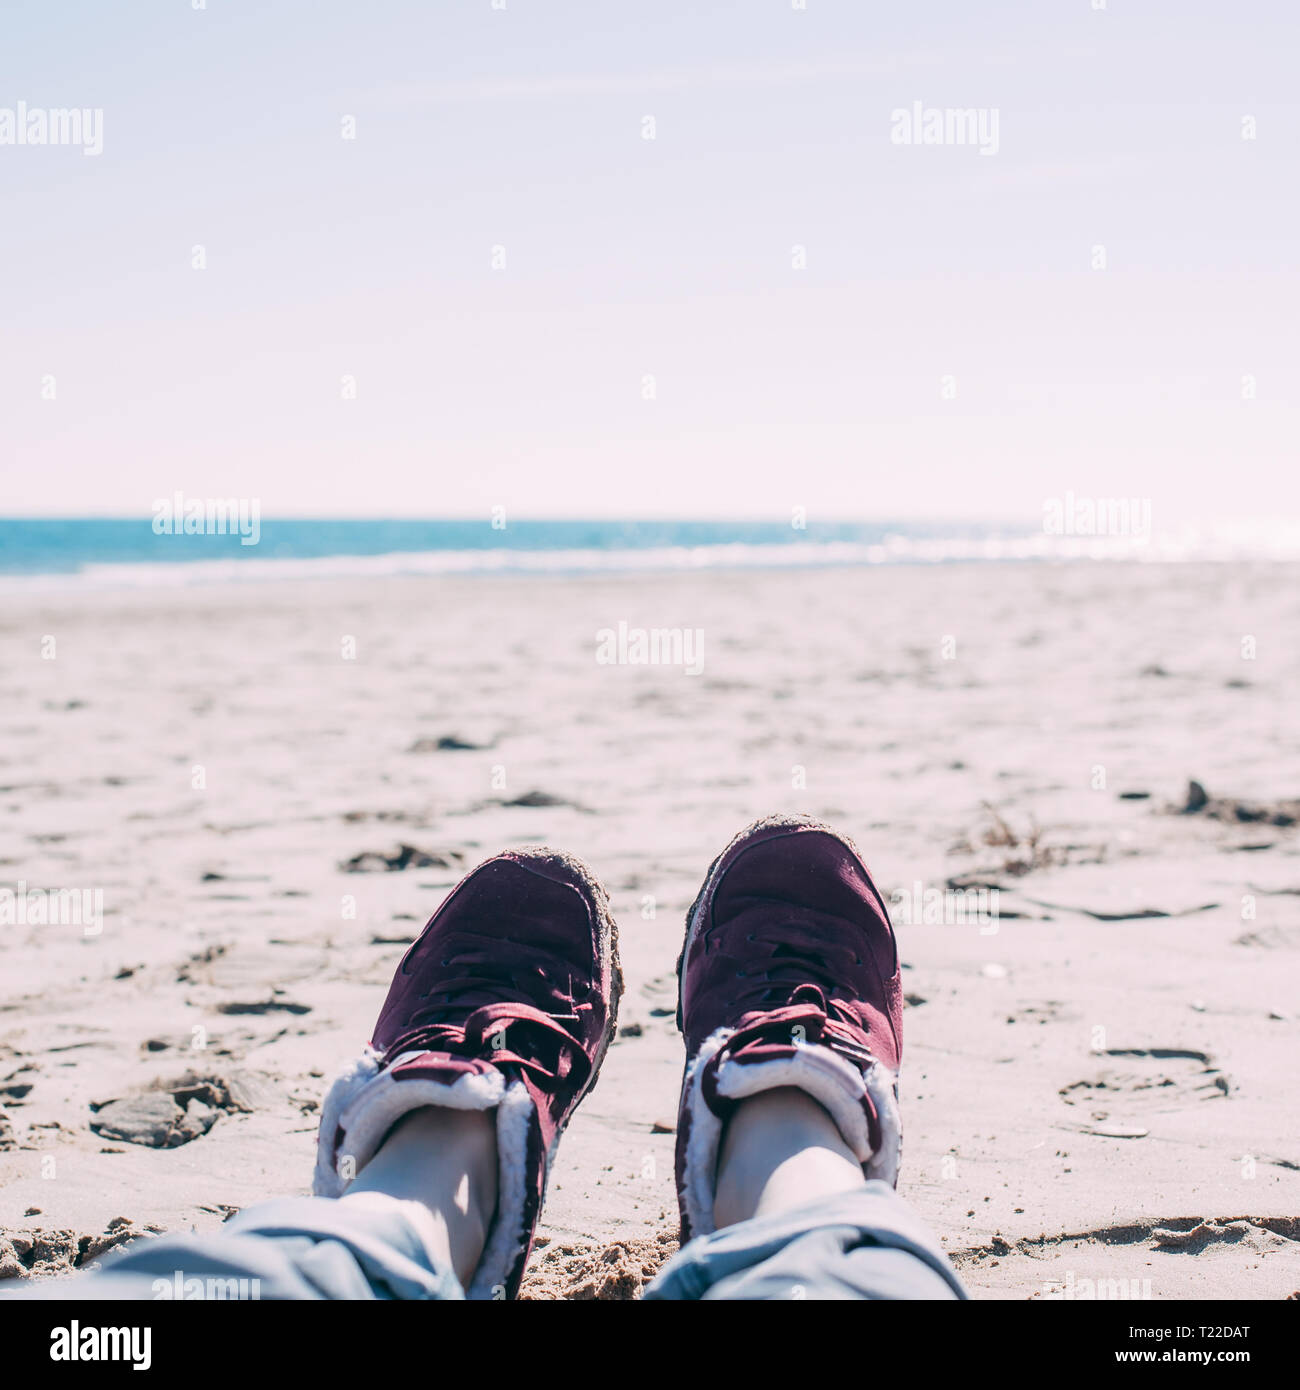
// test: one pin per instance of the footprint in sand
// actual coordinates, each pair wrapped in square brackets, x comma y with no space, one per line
[1147,1080]
[1161,1233]
[171,1113]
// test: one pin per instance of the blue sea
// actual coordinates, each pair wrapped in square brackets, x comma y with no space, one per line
[132,552]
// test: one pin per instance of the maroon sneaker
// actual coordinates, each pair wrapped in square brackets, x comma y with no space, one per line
[788,977]
[507,1001]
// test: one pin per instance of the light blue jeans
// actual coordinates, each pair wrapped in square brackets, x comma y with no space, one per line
[864,1244]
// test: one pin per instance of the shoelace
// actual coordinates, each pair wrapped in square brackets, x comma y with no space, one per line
[793,953]
[808,1011]
[477,1009]
[485,1030]
[793,983]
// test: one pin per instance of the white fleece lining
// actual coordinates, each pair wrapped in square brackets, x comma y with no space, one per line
[366,1103]
[505,1241]
[703,1140]
[819,1072]
[882,1087]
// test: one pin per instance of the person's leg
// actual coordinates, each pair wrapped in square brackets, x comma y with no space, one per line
[777,1149]
[797,1218]
[788,1136]
[504,1008]
[446,1162]
[411,1227]
[434,1144]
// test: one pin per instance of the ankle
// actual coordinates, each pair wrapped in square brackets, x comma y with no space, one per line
[780,1150]
[446,1161]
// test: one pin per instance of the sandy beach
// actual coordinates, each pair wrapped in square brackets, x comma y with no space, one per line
[1097,1084]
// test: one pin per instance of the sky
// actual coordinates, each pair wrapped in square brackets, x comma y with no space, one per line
[443,269]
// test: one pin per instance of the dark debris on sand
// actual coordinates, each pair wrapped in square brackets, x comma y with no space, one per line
[1198,802]
[406,857]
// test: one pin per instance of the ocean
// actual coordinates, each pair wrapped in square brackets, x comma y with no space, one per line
[73,552]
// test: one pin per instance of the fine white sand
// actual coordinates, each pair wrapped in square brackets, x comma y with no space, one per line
[1084,1099]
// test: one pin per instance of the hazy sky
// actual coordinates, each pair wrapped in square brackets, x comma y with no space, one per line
[673,258]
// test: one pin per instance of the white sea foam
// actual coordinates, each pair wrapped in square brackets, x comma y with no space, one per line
[1280,543]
